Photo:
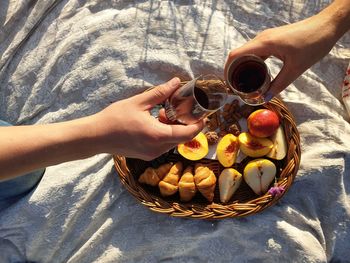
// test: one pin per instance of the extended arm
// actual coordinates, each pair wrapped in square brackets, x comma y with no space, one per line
[125,127]
[299,45]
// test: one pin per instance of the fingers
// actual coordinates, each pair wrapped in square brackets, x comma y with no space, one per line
[281,81]
[252,47]
[159,94]
[184,133]
[163,118]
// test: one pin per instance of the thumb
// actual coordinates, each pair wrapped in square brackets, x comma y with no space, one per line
[280,82]
[185,133]
[159,94]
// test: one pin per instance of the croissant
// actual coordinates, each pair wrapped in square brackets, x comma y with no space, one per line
[205,181]
[170,183]
[187,187]
[153,176]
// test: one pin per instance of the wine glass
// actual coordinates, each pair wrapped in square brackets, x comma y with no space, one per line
[196,99]
[248,77]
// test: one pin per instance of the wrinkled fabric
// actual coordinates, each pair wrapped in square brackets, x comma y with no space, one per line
[64,59]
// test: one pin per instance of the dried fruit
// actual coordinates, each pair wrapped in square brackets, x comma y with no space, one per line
[212,137]
[234,129]
[245,110]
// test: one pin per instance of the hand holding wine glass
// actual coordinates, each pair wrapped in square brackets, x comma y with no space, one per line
[196,100]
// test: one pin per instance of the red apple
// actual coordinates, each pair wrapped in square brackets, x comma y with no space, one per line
[263,123]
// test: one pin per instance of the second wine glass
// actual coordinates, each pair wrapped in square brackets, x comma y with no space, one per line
[196,99]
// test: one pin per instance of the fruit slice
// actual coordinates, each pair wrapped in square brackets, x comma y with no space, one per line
[229,181]
[254,146]
[195,149]
[259,174]
[263,123]
[227,150]
[279,149]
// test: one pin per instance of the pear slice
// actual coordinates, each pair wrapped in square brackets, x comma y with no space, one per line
[259,174]
[279,148]
[229,181]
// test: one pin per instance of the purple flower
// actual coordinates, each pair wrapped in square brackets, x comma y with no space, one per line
[276,190]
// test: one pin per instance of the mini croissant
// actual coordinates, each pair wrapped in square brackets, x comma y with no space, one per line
[187,187]
[153,176]
[205,181]
[170,183]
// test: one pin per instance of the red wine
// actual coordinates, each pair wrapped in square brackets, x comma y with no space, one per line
[249,76]
[201,97]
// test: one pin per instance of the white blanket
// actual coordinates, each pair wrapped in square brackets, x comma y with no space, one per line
[63,59]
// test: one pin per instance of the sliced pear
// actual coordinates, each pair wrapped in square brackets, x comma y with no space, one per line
[259,174]
[279,149]
[229,181]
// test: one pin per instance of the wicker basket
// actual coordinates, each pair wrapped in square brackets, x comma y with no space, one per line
[244,202]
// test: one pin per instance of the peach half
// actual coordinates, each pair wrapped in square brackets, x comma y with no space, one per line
[227,150]
[254,146]
[195,149]
[263,123]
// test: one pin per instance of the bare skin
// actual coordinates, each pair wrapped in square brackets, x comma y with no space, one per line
[298,45]
[125,127]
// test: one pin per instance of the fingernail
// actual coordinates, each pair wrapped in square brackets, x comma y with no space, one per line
[174,81]
[268,96]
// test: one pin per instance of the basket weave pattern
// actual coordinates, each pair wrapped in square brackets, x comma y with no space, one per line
[244,202]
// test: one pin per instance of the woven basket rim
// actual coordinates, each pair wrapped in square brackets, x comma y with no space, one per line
[218,210]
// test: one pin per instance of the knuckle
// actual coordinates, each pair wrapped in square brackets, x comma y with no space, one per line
[265,37]
[232,54]
[154,138]
[160,91]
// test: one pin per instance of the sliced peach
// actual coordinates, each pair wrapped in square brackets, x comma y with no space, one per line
[227,150]
[254,146]
[195,149]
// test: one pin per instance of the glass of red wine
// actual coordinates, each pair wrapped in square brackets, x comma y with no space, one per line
[249,78]
[196,99]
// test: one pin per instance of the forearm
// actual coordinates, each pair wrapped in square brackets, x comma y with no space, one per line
[27,148]
[337,15]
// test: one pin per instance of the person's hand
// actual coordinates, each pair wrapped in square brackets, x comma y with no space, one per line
[298,45]
[127,127]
